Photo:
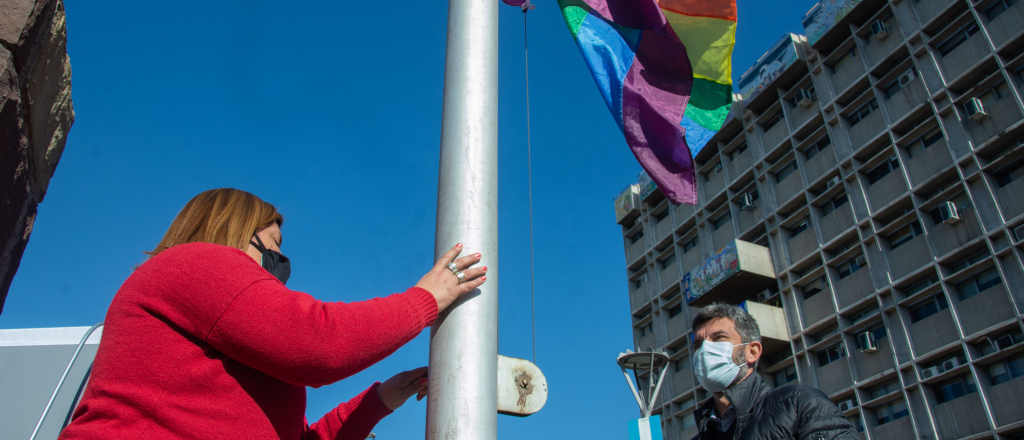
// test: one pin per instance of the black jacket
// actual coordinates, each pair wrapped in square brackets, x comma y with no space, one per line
[792,412]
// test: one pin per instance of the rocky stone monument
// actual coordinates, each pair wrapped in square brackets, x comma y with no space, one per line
[35,116]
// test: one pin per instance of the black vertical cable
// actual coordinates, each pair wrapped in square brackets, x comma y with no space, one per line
[529,177]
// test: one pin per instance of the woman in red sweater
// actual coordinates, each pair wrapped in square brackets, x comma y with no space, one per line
[204,340]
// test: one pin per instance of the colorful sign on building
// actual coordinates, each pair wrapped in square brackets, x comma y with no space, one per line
[824,15]
[627,201]
[770,66]
[708,274]
[647,186]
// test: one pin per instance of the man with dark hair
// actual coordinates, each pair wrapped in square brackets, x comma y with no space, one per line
[727,341]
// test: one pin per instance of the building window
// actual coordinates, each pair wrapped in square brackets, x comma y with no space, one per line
[850,266]
[998,8]
[812,288]
[1019,73]
[857,422]
[721,220]
[954,388]
[890,411]
[1003,342]
[992,94]
[845,247]
[637,237]
[668,261]
[661,216]
[926,140]
[862,112]
[844,60]
[640,281]
[968,261]
[824,334]
[647,329]
[877,173]
[691,244]
[958,38]
[796,229]
[894,87]
[785,171]
[830,354]
[904,234]
[689,421]
[803,272]
[675,310]
[863,314]
[682,363]
[735,151]
[1009,173]
[784,376]
[818,146]
[883,390]
[928,307]
[978,283]
[833,203]
[772,120]
[1007,369]
[920,285]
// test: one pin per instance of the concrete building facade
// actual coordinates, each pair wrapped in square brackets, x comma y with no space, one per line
[881,168]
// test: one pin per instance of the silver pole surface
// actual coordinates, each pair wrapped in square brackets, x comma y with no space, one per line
[463,400]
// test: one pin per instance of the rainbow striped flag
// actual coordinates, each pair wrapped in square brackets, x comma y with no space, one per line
[665,71]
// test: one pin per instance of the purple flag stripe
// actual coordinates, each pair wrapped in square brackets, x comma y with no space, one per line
[654,97]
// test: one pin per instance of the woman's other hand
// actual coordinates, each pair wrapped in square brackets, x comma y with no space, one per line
[395,391]
[444,285]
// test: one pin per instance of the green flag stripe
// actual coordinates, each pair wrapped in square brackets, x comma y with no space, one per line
[709,103]
[574,12]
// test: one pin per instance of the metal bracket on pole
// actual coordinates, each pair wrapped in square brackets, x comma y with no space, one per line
[522,387]
[655,363]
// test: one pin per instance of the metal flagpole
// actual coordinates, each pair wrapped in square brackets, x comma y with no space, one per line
[462,402]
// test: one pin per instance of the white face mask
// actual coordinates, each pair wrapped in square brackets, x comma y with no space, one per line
[714,365]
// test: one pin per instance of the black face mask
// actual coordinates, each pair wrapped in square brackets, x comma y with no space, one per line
[275,263]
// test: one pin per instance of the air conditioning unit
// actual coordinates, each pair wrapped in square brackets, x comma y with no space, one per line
[747,202]
[867,342]
[975,109]
[763,296]
[950,364]
[803,98]
[879,30]
[718,166]
[861,261]
[831,183]
[948,214]
[929,372]
[907,77]
[1018,232]
[847,405]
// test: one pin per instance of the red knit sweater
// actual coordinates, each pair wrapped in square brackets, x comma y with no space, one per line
[202,342]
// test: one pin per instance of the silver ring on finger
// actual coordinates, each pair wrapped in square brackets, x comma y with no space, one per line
[453,267]
[462,277]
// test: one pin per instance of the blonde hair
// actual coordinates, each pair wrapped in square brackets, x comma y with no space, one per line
[224,216]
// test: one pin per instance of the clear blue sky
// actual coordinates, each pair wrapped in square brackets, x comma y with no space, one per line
[331,111]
